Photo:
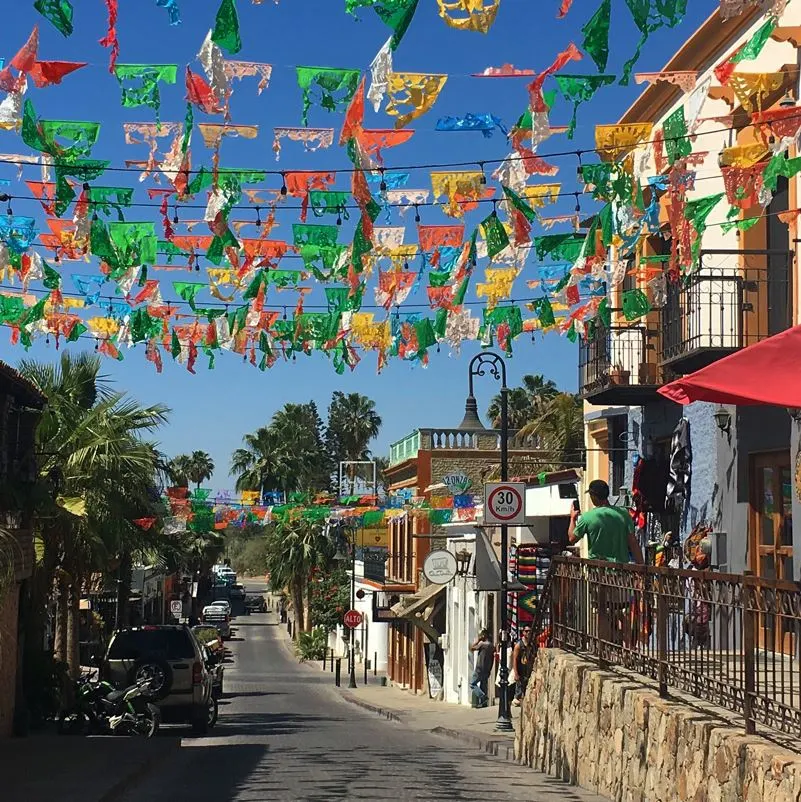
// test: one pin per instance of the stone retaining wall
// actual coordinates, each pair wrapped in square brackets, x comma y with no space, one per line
[619,739]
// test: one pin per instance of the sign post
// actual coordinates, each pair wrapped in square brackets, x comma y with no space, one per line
[352,619]
[176,608]
[505,503]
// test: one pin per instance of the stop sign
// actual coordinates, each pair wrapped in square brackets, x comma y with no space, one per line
[353,618]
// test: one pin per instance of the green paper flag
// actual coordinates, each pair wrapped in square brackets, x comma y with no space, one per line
[565,247]
[495,235]
[104,199]
[677,143]
[59,12]
[780,165]
[188,290]
[543,310]
[397,14]
[635,304]
[756,43]
[649,19]
[320,236]
[519,204]
[697,212]
[143,327]
[336,88]
[578,89]
[52,278]
[83,170]
[323,201]
[596,35]
[226,28]
[147,93]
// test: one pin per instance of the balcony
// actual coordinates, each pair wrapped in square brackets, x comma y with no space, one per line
[404,449]
[734,299]
[618,366]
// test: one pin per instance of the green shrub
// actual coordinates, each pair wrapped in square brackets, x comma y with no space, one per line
[312,645]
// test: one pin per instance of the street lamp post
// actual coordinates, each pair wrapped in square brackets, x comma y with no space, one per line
[480,365]
[352,643]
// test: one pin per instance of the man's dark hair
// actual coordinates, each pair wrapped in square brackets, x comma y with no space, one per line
[599,489]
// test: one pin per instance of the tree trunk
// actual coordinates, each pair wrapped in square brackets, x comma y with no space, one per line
[297,604]
[123,593]
[307,622]
[73,629]
[60,640]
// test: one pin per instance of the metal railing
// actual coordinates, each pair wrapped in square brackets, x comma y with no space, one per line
[729,639]
[620,355]
[733,299]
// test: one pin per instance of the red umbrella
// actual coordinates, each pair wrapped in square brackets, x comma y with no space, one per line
[764,373]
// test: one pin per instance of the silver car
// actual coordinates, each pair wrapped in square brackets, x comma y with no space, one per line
[173,660]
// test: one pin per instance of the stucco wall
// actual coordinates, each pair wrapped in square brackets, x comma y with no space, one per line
[622,741]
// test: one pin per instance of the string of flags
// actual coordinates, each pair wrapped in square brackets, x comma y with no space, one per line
[196,258]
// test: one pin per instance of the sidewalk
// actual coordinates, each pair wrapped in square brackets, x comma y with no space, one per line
[41,768]
[473,726]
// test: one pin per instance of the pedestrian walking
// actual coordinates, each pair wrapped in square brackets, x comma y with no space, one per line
[485,655]
[521,665]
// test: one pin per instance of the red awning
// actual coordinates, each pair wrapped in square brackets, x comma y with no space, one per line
[765,373]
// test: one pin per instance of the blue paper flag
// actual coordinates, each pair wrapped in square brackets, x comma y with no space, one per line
[486,123]
[18,232]
[172,10]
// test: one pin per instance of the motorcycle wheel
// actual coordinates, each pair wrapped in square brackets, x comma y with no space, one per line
[147,722]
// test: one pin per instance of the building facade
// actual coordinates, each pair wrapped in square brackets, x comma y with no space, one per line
[731,469]
[437,467]
[21,405]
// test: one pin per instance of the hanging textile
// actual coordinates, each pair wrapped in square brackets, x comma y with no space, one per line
[226,28]
[469,15]
[396,14]
[677,143]
[578,89]
[613,142]
[335,88]
[374,140]
[596,35]
[497,285]
[146,93]
[751,89]
[485,123]
[459,188]
[680,468]
[312,138]
[380,70]
[410,89]
[58,12]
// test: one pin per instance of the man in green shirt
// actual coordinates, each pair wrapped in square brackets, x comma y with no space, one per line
[609,530]
[610,537]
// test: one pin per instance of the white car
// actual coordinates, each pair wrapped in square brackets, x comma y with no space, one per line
[226,605]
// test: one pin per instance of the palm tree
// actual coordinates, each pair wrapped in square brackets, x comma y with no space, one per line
[201,467]
[560,430]
[178,469]
[294,548]
[525,403]
[261,465]
[352,424]
[96,473]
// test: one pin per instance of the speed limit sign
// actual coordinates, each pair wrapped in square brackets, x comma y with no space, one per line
[505,503]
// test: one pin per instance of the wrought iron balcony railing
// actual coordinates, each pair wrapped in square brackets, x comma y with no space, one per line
[732,300]
[618,366]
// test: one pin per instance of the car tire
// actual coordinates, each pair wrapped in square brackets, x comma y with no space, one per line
[213,712]
[160,672]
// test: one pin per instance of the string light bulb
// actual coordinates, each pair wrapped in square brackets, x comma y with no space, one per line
[258,217]
[483,175]
[283,189]
[416,213]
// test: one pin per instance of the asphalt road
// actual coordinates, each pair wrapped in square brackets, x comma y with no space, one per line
[285,734]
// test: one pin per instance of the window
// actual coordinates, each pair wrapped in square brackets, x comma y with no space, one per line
[169,644]
[618,428]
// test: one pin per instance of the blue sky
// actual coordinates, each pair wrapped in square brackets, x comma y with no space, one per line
[214,409]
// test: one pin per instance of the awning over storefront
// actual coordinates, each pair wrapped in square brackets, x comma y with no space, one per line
[764,373]
[418,608]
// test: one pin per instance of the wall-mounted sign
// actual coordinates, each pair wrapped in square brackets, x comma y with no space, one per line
[439,567]
[457,483]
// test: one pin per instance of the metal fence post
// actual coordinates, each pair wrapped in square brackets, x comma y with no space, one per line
[366,664]
[375,663]
[661,631]
[332,660]
[338,671]
[325,657]
[749,644]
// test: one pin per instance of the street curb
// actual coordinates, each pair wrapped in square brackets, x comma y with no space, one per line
[130,781]
[503,748]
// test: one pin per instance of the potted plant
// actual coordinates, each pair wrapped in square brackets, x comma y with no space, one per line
[619,376]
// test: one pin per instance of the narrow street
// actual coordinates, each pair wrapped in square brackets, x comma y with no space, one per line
[284,734]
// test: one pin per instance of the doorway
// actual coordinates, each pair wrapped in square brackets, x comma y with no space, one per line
[771,536]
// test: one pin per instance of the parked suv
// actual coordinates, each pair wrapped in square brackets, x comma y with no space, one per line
[173,659]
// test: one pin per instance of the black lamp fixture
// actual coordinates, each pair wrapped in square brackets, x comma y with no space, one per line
[723,419]
[463,559]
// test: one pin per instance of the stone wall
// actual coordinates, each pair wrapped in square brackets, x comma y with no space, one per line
[619,739]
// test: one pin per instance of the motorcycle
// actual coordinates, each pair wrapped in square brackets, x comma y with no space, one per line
[99,709]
